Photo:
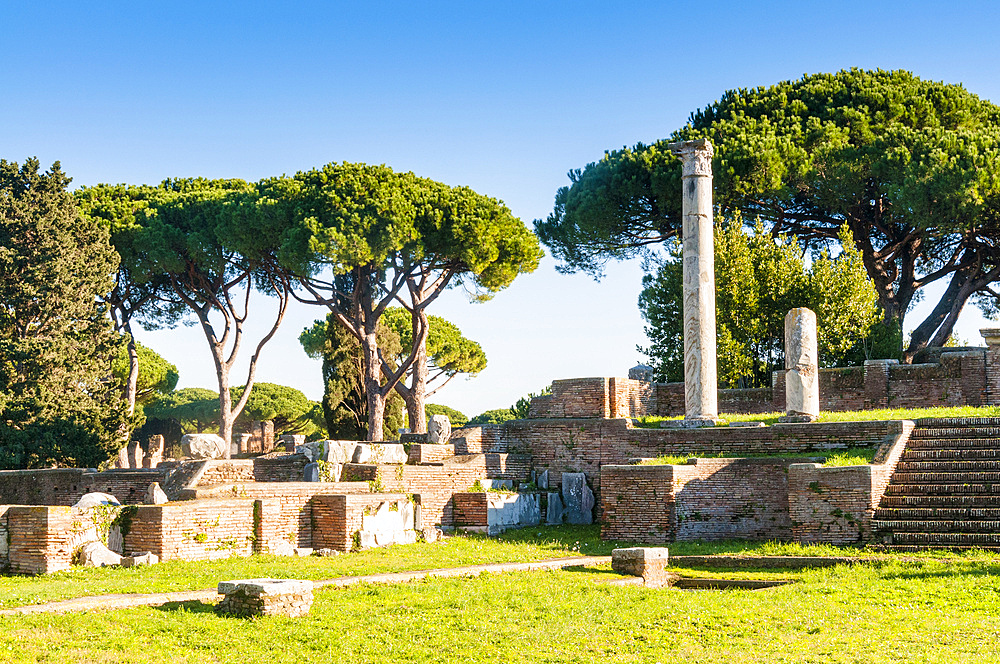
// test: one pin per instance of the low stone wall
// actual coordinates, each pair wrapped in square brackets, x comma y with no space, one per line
[963,377]
[43,538]
[227,471]
[193,530]
[493,513]
[710,499]
[65,486]
[586,445]
[479,439]
[339,517]
[835,505]
[429,453]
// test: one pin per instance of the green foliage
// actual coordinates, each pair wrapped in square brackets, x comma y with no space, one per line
[759,278]
[910,166]
[522,408]
[456,418]
[345,408]
[56,344]
[157,376]
[496,416]
[449,352]
[288,408]
[194,409]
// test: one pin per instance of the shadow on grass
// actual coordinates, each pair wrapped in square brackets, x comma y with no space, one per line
[190,606]
[590,570]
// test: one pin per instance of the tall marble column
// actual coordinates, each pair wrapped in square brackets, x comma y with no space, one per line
[700,380]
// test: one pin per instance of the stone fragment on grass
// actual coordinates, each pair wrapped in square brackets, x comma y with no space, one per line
[95,554]
[648,562]
[578,499]
[139,559]
[265,597]
[554,510]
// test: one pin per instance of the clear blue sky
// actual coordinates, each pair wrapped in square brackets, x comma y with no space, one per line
[502,97]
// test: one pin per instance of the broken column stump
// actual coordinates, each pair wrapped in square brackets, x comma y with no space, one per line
[265,597]
[648,562]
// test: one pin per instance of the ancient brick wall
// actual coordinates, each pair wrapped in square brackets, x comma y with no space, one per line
[429,453]
[193,530]
[280,468]
[227,471]
[577,397]
[711,499]
[585,445]
[836,505]
[471,509]
[65,486]
[43,538]
[338,517]
[478,439]
[637,504]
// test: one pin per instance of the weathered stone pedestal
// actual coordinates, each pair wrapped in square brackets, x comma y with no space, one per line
[801,367]
[648,562]
[265,597]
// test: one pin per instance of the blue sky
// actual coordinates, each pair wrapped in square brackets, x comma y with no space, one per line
[502,97]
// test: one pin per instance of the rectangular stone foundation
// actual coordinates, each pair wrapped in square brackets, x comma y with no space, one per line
[265,597]
[648,562]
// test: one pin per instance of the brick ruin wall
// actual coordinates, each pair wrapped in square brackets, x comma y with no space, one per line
[963,378]
[65,486]
[436,483]
[712,499]
[756,499]
[338,517]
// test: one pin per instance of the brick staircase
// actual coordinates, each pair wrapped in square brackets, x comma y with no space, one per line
[945,491]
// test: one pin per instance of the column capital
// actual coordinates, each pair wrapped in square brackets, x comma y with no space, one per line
[696,156]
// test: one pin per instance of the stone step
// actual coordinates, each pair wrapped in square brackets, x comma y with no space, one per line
[939,488]
[962,477]
[914,548]
[953,422]
[933,454]
[940,501]
[956,432]
[936,513]
[953,443]
[948,466]
[933,526]
[946,539]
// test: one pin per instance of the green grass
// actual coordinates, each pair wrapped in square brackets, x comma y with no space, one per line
[904,612]
[852,456]
[523,545]
[653,421]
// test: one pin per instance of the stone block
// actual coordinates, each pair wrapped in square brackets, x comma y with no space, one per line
[135,454]
[554,510]
[311,472]
[413,438]
[94,499]
[648,562]
[439,429]
[542,479]
[139,559]
[155,495]
[291,440]
[95,554]
[265,597]
[578,499]
[203,446]
[392,453]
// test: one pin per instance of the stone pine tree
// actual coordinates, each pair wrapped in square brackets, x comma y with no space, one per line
[345,405]
[214,243]
[393,237]
[911,167]
[141,298]
[57,404]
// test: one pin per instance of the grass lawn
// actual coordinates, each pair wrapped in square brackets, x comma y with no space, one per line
[852,456]
[653,421]
[896,611]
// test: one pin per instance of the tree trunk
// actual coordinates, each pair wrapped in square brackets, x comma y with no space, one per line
[418,384]
[947,311]
[131,387]
[225,411]
[372,368]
